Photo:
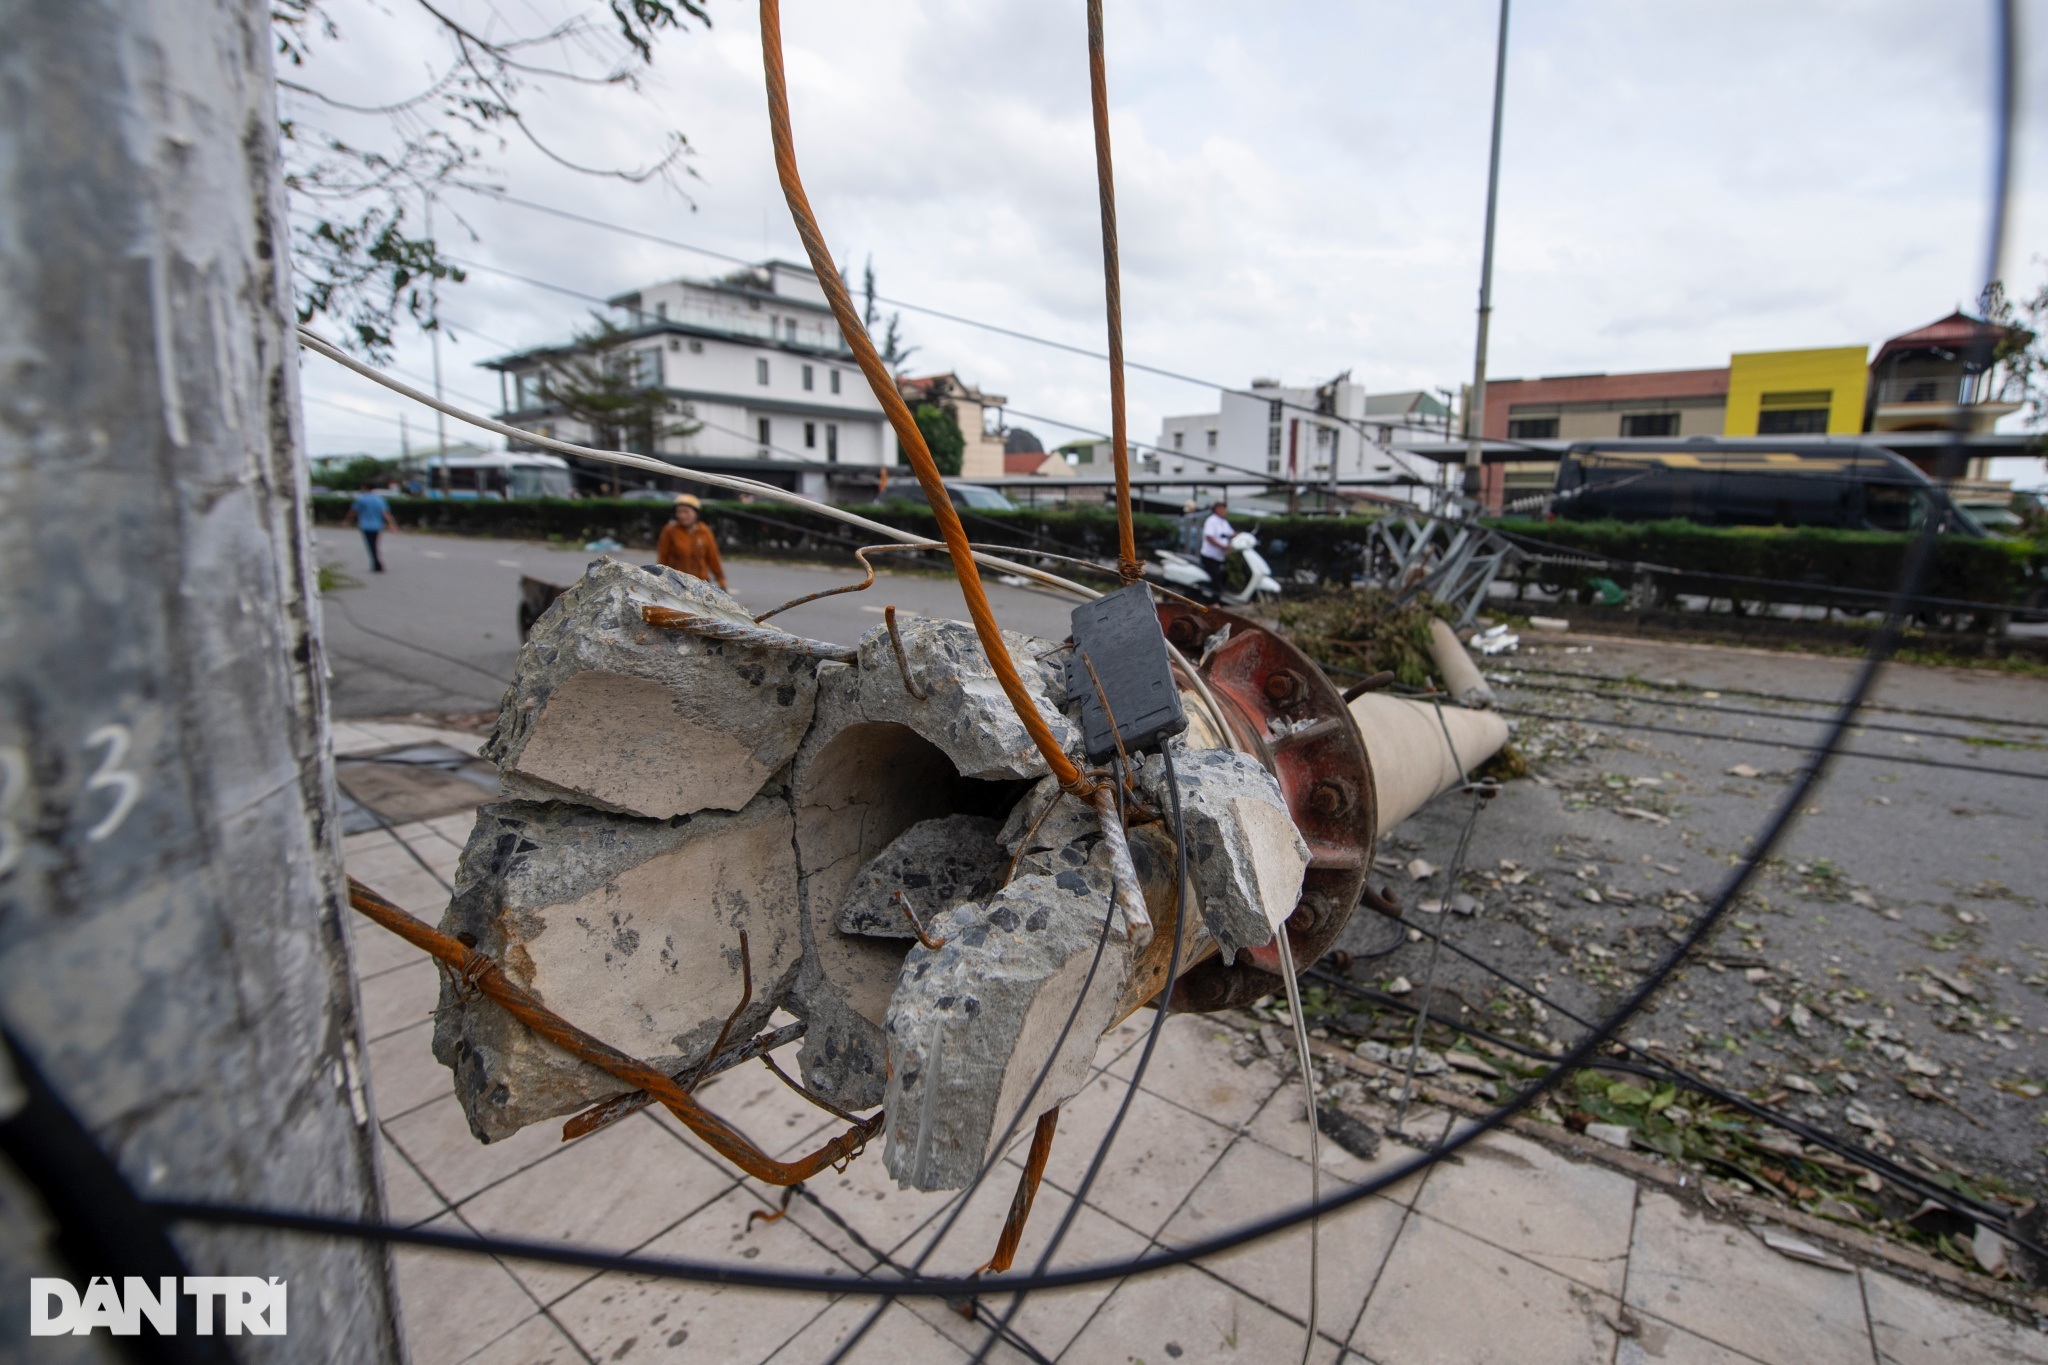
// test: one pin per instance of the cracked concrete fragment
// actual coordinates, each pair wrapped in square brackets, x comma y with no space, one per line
[609,712]
[855,786]
[971,1025]
[628,929]
[1245,857]
[965,712]
[936,864]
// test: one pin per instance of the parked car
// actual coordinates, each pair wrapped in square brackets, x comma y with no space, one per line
[1842,484]
[975,498]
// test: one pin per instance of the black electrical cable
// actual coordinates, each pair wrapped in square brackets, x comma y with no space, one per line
[1183,906]
[1881,647]
[1665,1070]
[1888,708]
[101,1228]
[1010,1132]
[1677,704]
[1772,743]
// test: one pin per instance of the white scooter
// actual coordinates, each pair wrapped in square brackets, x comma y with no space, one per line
[1189,574]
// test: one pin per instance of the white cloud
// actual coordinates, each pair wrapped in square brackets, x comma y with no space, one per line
[1299,186]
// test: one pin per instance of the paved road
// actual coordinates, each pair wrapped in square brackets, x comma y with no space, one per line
[1953,859]
[438,631]
[1894,872]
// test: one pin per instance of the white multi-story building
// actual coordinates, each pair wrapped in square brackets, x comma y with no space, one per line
[754,360]
[1292,434]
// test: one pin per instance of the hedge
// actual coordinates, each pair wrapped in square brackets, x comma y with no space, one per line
[1805,564]
[1800,564]
[751,528]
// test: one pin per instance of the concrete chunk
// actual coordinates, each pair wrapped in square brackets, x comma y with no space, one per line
[936,864]
[607,711]
[628,929]
[1245,857]
[966,712]
[971,1025]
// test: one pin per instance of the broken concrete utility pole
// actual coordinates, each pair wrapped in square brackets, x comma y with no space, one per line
[911,881]
[172,959]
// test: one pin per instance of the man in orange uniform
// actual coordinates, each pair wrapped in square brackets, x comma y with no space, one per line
[688,545]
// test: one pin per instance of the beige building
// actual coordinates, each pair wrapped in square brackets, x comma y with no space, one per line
[983,456]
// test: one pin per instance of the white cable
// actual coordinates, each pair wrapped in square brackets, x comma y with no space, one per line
[1315,1149]
[315,342]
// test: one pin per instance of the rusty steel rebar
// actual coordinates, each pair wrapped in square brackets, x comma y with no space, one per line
[902,659]
[883,384]
[1129,567]
[862,555]
[733,632]
[1027,1191]
[605,1113]
[483,974]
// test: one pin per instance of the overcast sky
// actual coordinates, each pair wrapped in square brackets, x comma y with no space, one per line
[1300,186]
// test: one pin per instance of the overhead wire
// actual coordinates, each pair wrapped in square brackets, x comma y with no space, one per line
[1885,641]
[886,393]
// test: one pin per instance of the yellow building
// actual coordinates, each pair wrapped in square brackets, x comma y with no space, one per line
[1797,393]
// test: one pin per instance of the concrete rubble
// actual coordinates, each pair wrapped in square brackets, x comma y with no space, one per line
[1245,857]
[606,711]
[672,790]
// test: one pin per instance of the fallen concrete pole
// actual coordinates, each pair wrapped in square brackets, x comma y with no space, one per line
[1420,750]
[915,886]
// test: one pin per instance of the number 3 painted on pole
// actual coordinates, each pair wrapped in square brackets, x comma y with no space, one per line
[110,774]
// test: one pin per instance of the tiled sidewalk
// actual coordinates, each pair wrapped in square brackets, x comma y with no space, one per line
[1514,1254]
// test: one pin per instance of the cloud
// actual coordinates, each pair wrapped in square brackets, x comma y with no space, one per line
[1300,187]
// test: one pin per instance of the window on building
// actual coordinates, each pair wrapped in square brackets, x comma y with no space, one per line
[1792,422]
[789,328]
[1274,410]
[832,440]
[696,348]
[1273,447]
[766,433]
[1800,413]
[835,381]
[760,369]
[1180,440]
[810,436]
[1649,424]
[808,386]
[1212,438]
[661,311]
[645,368]
[1532,428]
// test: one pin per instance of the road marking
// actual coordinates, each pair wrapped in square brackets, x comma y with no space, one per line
[876,610]
[435,554]
[508,563]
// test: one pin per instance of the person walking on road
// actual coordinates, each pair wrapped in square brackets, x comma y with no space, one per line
[370,514]
[687,544]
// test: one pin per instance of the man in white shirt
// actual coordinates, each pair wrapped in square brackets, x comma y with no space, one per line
[1216,534]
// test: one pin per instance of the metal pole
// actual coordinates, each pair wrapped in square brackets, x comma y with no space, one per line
[1475,407]
[172,956]
[434,303]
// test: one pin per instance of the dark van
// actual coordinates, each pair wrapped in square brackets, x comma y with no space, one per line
[1745,483]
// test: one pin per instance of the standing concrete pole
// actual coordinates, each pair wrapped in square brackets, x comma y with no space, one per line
[1475,407]
[172,958]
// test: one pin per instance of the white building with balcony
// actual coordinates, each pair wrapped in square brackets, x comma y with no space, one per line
[1293,434]
[754,360]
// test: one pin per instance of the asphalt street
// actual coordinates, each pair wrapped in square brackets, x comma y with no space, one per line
[1890,965]
[438,630]
[1890,962]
